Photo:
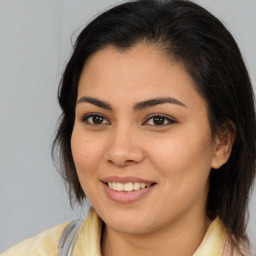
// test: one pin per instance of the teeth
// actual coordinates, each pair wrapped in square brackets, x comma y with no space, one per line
[136,186]
[110,184]
[119,186]
[142,185]
[127,186]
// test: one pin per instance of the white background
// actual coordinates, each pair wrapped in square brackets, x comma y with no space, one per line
[35,43]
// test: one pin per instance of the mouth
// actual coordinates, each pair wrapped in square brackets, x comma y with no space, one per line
[128,187]
[127,184]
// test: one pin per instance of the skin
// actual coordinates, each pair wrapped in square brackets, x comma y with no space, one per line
[177,155]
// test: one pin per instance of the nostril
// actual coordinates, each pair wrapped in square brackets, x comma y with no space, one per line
[122,164]
[127,162]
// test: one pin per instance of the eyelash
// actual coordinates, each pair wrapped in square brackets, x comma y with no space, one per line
[166,118]
[85,118]
[169,120]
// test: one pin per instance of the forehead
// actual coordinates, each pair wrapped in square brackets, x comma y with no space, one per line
[143,71]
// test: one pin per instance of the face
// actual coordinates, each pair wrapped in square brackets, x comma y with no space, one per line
[141,142]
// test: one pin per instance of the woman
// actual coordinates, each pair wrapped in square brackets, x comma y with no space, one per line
[158,133]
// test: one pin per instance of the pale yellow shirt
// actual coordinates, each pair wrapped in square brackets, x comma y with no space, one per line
[87,242]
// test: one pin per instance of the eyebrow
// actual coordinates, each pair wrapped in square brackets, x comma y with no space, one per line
[94,101]
[153,102]
[137,107]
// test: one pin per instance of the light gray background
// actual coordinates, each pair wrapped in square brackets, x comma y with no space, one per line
[35,43]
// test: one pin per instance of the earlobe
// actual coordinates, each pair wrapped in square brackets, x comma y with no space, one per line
[223,143]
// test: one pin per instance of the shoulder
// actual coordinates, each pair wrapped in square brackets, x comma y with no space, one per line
[44,244]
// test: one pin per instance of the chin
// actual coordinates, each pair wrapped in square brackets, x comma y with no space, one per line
[128,228]
[128,223]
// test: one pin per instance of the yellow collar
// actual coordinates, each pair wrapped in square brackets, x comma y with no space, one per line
[89,236]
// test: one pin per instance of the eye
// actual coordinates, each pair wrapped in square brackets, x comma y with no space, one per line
[94,119]
[159,120]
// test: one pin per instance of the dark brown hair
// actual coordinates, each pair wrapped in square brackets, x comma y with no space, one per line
[188,33]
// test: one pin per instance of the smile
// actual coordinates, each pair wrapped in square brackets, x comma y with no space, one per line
[127,186]
[126,189]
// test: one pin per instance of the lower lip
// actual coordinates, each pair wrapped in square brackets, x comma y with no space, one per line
[126,197]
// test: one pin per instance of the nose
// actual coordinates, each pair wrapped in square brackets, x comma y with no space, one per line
[124,148]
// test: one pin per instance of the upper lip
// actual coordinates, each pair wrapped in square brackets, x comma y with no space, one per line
[126,179]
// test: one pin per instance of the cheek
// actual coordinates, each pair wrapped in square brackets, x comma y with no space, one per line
[85,152]
[183,159]
[184,166]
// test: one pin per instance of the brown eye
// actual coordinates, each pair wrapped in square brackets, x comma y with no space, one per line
[94,119]
[97,119]
[159,120]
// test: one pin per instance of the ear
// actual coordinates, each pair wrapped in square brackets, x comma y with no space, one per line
[223,142]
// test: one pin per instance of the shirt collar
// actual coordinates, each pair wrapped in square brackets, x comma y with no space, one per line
[89,237]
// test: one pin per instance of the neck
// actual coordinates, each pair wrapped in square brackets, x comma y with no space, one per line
[179,238]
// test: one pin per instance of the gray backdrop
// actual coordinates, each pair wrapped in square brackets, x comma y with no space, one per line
[35,43]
